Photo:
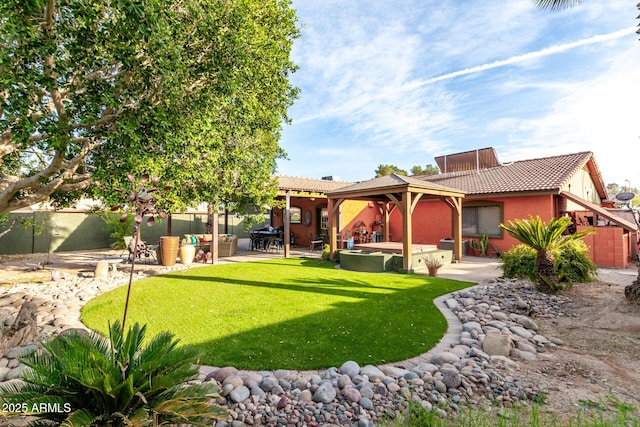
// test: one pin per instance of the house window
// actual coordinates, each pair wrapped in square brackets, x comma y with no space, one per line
[324,218]
[480,219]
[295,215]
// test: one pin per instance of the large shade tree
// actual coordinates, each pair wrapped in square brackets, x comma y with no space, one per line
[193,91]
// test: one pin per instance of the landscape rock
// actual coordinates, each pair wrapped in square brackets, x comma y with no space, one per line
[463,373]
[325,393]
[240,394]
[497,344]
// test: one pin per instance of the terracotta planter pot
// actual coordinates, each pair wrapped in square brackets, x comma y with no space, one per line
[433,271]
[169,250]
[187,253]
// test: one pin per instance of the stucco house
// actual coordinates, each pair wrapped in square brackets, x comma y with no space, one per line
[553,186]
[494,192]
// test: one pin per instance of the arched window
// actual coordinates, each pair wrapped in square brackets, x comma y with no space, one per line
[295,215]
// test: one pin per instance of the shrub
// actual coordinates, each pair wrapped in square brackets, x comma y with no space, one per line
[519,262]
[573,264]
[326,253]
[85,379]
[117,229]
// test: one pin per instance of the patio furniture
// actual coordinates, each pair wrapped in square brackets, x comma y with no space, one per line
[227,245]
[142,251]
[315,242]
[275,243]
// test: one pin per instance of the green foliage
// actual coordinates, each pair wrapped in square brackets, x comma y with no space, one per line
[519,262]
[26,221]
[116,381]
[608,413]
[193,91]
[326,252]
[428,170]
[384,170]
[481,245]
[117,229]
[573,264]
[545,239]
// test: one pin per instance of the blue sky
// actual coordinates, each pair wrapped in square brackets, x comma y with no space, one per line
[403,81]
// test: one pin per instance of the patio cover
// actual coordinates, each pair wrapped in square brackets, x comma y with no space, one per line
[600,211]
[402,192]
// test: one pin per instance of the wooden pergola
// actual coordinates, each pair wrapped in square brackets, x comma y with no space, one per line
[402,192]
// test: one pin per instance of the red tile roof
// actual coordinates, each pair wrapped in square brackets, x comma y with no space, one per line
[310,185]
[544,174]
[393,181]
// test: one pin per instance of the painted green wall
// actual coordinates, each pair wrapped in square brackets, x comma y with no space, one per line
[76,231]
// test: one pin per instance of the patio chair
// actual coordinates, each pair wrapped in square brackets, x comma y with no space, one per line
[256,240]
[275,243]
[315,242]
[142,250]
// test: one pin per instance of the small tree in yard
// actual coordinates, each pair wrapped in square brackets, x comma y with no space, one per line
[544,239]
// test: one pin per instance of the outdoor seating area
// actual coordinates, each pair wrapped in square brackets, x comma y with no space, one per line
[227,244]
[267,239]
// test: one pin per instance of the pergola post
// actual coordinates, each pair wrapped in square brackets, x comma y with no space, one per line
[387,215]
[214,237]
[333,207]
[287,225]
[456,206]
[407,244]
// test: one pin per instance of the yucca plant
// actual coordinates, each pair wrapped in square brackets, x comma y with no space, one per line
[544,239]
[85,379]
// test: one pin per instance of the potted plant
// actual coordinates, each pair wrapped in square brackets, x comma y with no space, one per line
[433,264]
[481,245]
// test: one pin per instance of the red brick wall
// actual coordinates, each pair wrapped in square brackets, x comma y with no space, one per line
[432,219]
[609,247]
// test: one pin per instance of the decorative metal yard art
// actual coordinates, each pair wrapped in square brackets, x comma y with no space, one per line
[144,201]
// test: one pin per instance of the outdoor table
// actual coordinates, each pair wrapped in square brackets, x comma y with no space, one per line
[267,239]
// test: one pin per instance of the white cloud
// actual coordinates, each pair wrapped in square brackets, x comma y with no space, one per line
[410,79]
[598,115]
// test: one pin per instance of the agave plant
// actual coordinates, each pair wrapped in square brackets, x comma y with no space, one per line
[544,239]
[85,379]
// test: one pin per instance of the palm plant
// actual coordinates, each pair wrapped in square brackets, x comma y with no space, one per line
[85,379]
[556,4]
[544,239]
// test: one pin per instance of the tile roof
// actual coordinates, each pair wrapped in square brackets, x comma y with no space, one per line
[393,181]
[310,185]
[544,174]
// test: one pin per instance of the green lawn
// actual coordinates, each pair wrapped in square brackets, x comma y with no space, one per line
[292,313]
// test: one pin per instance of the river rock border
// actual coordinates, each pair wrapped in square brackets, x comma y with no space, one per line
[491,330]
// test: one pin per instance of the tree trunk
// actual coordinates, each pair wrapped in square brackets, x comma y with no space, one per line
[632,292]
[23,331]
[546,279]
